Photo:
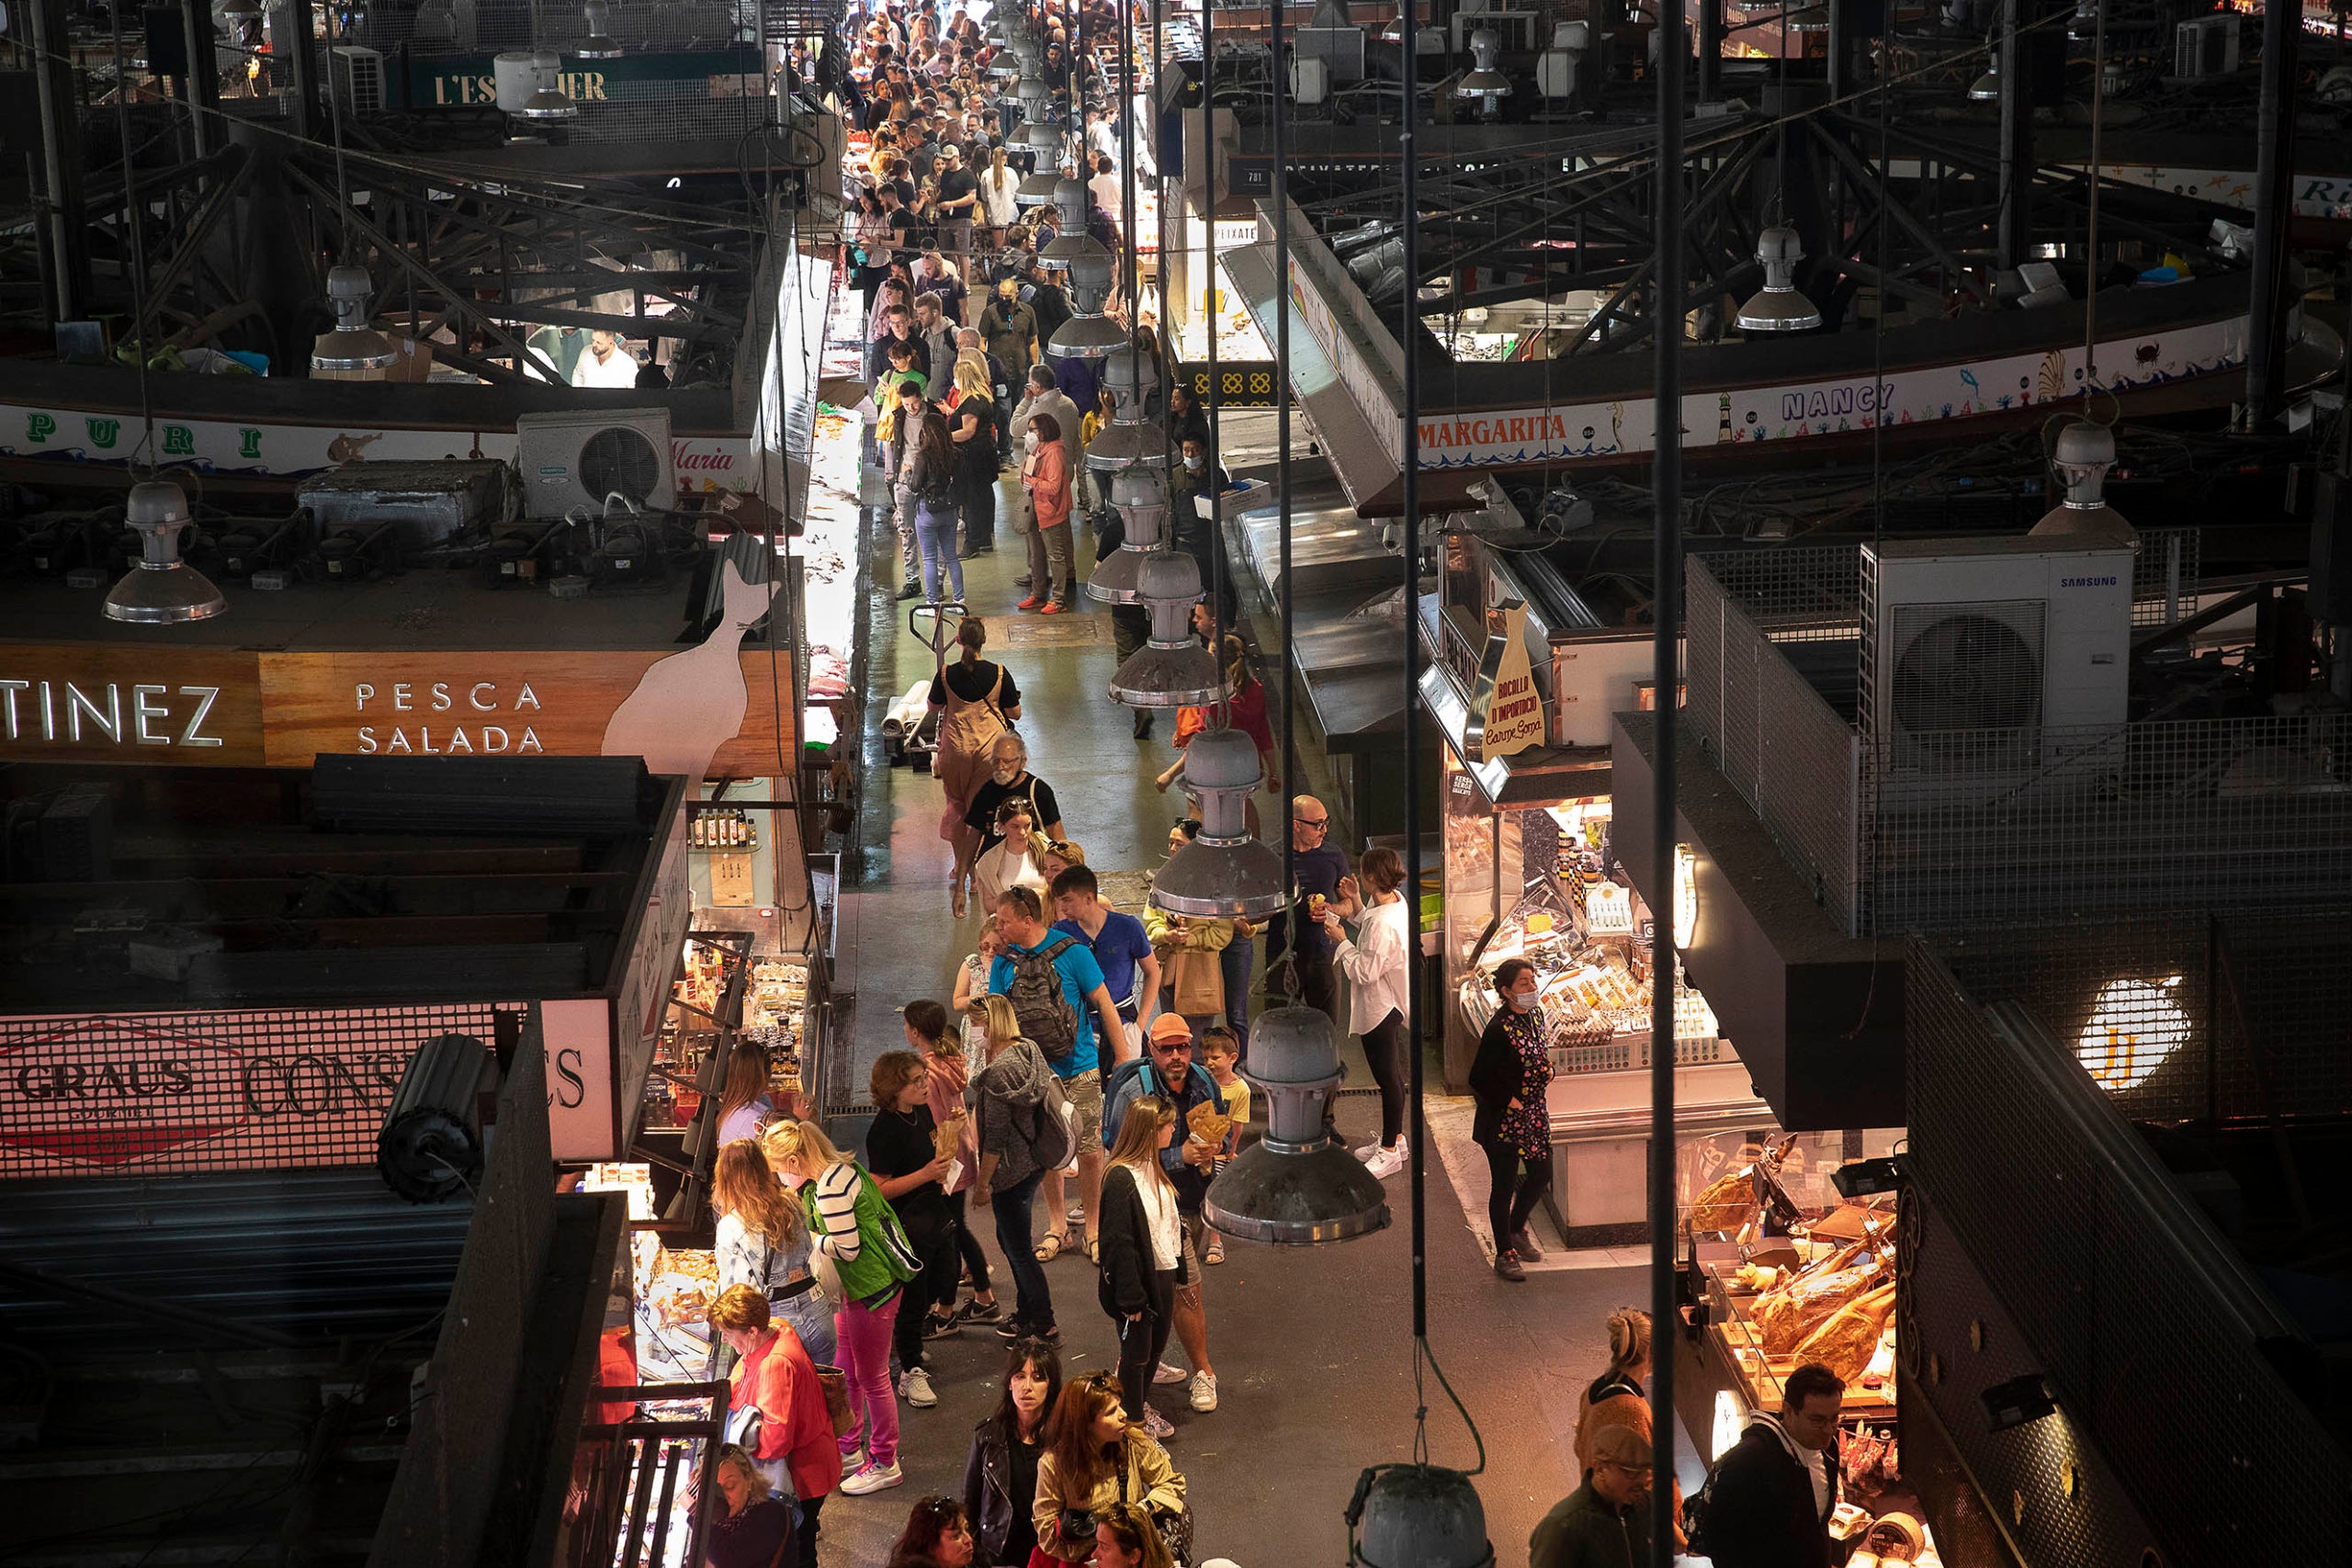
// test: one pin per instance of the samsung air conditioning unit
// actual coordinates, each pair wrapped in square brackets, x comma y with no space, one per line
[1991,664]
[2206,46]
[579,461]
[359,80]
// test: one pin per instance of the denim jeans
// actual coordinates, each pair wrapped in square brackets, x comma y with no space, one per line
[1033,1301]
[811,1315]
[936,532]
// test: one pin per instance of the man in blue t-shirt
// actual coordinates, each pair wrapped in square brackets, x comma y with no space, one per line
[1122,950]
[1020,916]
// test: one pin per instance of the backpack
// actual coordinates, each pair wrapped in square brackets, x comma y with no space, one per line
[1037,1001]
[1055,1142]
[1695,1508]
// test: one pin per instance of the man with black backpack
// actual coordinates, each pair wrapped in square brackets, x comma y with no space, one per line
[1056,989]
[1769,1501]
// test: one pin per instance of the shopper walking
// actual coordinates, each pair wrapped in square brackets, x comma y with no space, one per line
[1769,1499]
[1167,1070]
[1045,474]
[933,483]
[1142,1252]
[901,445]
[1122,950]
[1010,779]
[973,432]
[1604,1523]
[762,1241]
[1507,1078]
[1057,992]
[777,1408]
[1020,1122]
[1016,861]
[941,1046]
[1000,1471]
[974,703]
[1320,873]
[854,1227]
[1096,1459]
[903,1154]
[1375,963]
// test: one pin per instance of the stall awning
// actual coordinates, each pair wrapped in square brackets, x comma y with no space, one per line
[1367,472]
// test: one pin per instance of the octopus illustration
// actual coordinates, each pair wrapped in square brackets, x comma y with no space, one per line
[2050,384]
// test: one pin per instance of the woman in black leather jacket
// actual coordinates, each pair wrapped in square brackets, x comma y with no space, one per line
[1001,1475]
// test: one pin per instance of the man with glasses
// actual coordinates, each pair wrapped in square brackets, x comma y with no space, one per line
[1165,1069]
[1322,875]
[1605,1523]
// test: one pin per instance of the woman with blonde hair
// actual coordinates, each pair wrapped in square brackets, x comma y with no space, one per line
[1125,1538]
[1616,1398]
[764,1242]
[1142,1250]
[1017,861]
[853,1225]
[1012,1096]
[1094,1460]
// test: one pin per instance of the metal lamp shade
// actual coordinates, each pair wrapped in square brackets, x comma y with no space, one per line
[1035,190]
[1421,1514]
[1986,89]
[1297,1186]
[598,44]
[1777,307]
[1484,80]
[2086,452]
[1811,19]
[162,590]
[1042,137]
[1171,670]
[1142,502]
[1085,337]
[1128,446]
[1225,873]
[354,344]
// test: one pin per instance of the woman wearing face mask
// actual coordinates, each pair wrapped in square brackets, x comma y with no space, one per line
[1044,471]
[1507,1080]
[1001,1475]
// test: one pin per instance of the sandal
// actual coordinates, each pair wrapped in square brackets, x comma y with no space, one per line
[1215,1254]
[1094,1250]
[1053,1246]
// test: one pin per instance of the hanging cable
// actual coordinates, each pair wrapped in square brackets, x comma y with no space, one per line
[1282,475]
[135,246]
[2091,273]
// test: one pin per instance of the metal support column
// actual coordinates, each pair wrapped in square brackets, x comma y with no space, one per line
[2014,244]
[1710,49]
[2274,170]
[202,83]
[61,156]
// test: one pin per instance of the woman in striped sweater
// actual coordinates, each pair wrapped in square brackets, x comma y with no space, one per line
[853,1225]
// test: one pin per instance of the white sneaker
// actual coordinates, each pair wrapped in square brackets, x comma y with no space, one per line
[1155,1425]
[1386,1163]
[872,1478]
[1364,1152]
[1166,1373]
[914,1387]
[1203,1392]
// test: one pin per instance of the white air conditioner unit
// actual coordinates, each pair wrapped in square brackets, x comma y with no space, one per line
[1989,663]
[2206,46]
[577,460]
[1310,80]
[359,79]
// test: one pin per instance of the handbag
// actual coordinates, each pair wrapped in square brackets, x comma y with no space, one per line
[1197,983]
[835,1383]
[1175,1525]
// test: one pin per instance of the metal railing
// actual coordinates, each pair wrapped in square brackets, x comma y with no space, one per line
[2136,1311]
[631,1479]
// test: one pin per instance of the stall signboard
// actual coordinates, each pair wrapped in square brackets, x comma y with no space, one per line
[643,1001]
[113,1094]
[1506,706]
[470,81]
[223,707]
[286,449]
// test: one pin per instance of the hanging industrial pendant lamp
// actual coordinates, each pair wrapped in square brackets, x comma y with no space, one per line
[162,590]
[1777,307]
[1142,502]
[1986,89]
[1089,333]
[1298,1185]
[354,344]
[599,44]
[1073,241]
[1484,81]
[1037,186]
[1170,670]
[2084,453]
[1130,439]
[1225,873]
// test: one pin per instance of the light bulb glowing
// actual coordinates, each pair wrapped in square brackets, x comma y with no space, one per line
[2135,1026]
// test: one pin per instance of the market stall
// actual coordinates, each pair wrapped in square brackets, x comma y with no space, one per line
[1779,1269]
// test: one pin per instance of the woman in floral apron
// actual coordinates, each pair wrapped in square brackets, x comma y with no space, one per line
[977,702]
[1507,1078]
